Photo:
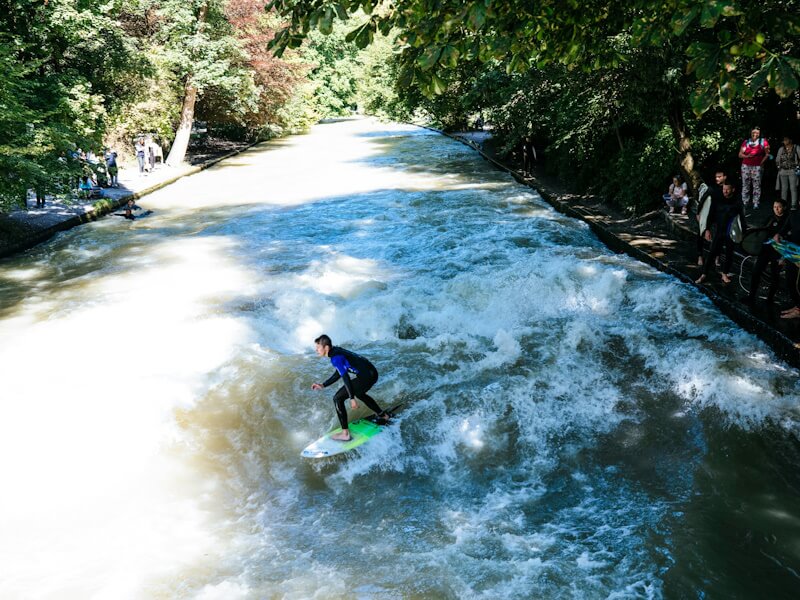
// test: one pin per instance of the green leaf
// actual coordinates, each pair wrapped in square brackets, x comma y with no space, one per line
[449,56]
[682,21]
[712,10]
[760,78]
[730,86]
[705,64]
[438,85]
[429,57]
[785,81]
[703,97]
[326,21]
[340,11]
[364,37]
[476,16]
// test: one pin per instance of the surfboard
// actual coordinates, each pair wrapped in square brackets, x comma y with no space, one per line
[702,215]
[754,241]
[361,431]
[735,231]
[787,250]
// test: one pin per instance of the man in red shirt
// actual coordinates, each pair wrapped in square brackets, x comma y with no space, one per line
[754,152]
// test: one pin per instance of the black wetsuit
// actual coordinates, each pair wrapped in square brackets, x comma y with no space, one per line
[715,193]
[365,376]
[769,256]
[722,214]
[792,269]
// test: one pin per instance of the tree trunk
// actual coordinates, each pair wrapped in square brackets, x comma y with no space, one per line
[681,132]
[178,150]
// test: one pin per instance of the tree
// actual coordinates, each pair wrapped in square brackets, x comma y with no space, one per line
[732,47]
[728,49]
[200,47]
[62,61]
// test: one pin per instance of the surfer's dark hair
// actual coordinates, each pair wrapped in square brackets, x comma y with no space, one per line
[324,340]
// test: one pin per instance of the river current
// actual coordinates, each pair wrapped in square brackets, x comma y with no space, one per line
[575,423]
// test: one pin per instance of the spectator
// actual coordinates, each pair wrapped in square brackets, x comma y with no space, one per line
[776,227]
[87,189]
[150,153]
[722,215]
[754,152]
[112,168]
[528,155]
[792,269]
[677,195]
[139,148]
[714,192]
[788,162]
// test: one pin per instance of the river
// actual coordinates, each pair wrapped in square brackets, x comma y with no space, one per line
[576,424]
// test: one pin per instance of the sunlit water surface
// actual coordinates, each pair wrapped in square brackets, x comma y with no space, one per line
[576,425]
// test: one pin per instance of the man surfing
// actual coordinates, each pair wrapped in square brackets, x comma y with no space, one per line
[365,375]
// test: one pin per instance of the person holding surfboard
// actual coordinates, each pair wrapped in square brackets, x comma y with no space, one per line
[723,214]
[775,229]
[713,193]
[365,375]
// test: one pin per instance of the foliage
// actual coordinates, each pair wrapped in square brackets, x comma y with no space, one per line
[61,63]
[733,48]
[333,65]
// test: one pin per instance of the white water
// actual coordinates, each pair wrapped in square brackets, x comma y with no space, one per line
[563,404]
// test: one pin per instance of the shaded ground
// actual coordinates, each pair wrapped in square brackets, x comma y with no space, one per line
[212,148]
[671,241]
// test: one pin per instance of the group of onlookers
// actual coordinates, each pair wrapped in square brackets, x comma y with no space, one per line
[147,153]
[102,171]
[723,222]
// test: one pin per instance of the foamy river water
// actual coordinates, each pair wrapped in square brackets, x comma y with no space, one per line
[576,424]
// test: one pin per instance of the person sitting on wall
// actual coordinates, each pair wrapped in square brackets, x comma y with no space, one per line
[776,228]
[678,195]
[87,189]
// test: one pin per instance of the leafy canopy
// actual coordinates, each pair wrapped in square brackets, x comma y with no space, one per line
[732,48]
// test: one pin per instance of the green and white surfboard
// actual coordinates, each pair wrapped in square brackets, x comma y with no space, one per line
[361,431]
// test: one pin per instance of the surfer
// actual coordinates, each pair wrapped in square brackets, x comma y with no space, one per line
[129,208]
[365,376]
[723,214]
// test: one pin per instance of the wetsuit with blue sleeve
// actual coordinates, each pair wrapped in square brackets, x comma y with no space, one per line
[357,374]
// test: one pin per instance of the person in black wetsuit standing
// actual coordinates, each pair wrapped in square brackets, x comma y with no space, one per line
[357,374]
[722,214]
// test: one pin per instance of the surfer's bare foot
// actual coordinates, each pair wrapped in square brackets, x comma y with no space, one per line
[341,437]
[725,278]
[700,279]
[792,313]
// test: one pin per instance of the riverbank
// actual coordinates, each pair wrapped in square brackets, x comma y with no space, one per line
[21,230]
[666,242]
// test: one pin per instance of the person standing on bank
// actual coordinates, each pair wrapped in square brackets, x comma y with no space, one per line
[788,161]
[714,192]
[722,215]
[754,152]
[365,375]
